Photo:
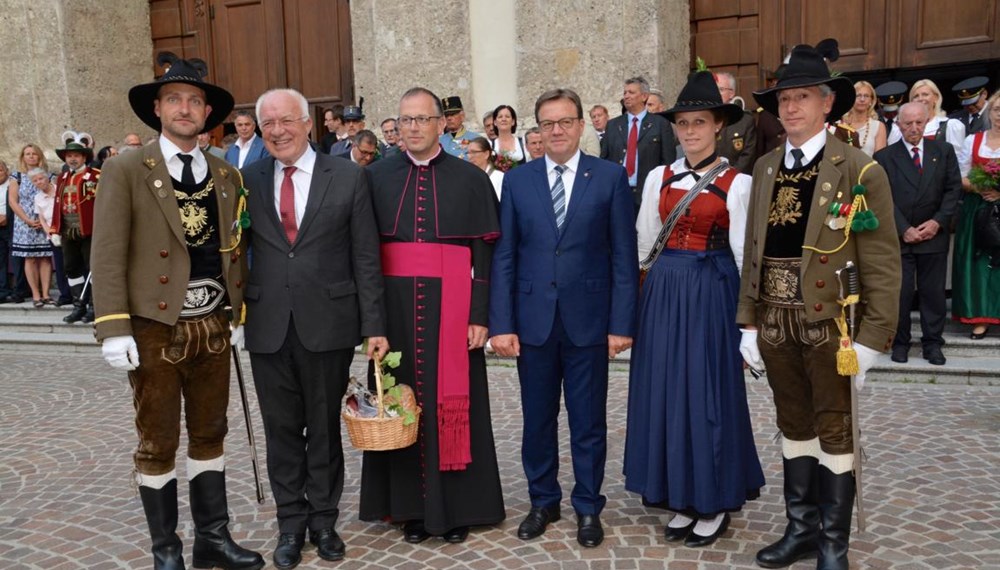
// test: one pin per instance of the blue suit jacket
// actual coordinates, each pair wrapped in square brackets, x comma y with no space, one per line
[589,266]
[257,152]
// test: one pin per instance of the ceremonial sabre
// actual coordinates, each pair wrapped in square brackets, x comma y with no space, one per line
[249,422]
[850,300]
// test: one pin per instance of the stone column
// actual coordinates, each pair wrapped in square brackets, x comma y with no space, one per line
[69,65]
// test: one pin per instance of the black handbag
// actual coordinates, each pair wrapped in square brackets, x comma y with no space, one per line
[986,224]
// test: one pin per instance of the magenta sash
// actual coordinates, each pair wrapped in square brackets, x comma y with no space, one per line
[451,264]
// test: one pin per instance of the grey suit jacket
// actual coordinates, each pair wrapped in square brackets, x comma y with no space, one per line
[655,145]
[921,197]
[329,282]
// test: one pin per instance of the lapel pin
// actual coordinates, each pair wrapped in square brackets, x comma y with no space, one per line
[770,170]
[586,174]
[161,193]
[224,195]
[158,183]
[827,186]
[823,200]
[224,171]
[150,162]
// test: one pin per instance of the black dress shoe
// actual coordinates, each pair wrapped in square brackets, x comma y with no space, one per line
[288,553]
[537,520]
[589,532]
[675,534]
[695,540]
[328,544]
[979,336]
[414,532]
[456,535]
[15,299]
[900,354]
[64,301]
[934,356]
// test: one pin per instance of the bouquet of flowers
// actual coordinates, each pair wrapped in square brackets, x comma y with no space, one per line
[985,176]
[503,162]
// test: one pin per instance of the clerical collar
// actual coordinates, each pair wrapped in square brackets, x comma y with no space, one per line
[416,162]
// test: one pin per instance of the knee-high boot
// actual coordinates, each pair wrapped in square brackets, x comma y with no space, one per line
[213,546]
[160,506]
[836,504]
[79,306]
[802,510]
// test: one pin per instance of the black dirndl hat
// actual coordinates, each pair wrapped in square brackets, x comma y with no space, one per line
[701,93]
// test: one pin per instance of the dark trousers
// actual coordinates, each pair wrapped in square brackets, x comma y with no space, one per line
[76,256]
[300,394]
[810,398]
[18,279]
[61,281]
[545,371]
[5,281]
[189,359]
[927,271]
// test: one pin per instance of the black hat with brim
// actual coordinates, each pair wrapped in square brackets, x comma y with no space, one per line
[451,105]
[75,147]
[701,93]
[190,72]
[807,68]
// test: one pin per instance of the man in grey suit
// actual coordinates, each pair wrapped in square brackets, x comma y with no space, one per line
[926,186]
[638,140]
[314,291]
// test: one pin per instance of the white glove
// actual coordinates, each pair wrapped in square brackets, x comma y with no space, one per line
[749,350]
[236,338]
[121,352]
[56,240]
[866,359]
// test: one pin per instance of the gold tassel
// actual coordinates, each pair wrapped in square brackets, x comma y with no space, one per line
[847,357]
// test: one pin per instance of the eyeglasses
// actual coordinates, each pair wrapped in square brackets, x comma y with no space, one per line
[564,124]
[285,123]
[421,120]
[366,152]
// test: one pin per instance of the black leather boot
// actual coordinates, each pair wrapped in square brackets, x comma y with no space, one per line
[88,316]
[802,510]
[836,504]
[79,306]
[160,506]
[213,546]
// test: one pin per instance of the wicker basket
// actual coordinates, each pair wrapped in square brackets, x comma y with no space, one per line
[381,433]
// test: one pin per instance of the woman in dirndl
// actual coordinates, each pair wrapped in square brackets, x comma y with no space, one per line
[975,280]
[689,444]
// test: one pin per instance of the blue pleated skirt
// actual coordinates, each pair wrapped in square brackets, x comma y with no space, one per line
[689,444]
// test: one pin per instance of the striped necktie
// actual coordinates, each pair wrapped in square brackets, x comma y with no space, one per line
[559,196]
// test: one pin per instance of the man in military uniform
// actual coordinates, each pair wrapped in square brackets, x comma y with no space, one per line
[456,138]
[736,142]
[795,242]
[73,224]
[167,264]
[972,93]
[354,122]
[890,96]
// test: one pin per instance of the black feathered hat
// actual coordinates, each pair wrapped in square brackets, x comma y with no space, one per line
[189,71]
[807,68]
[701,93]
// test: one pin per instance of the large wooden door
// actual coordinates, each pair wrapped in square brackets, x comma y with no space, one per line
[255,45]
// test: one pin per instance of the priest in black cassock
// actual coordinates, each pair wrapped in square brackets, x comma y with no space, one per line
[437,218]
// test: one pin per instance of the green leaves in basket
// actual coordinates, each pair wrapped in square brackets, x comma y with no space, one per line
[388,381]
[391,359]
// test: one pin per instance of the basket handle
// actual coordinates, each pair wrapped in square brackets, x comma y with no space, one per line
[378,387]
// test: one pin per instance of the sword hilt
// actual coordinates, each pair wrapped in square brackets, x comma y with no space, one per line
[853,281]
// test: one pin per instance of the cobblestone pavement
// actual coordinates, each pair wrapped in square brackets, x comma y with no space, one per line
[66,436]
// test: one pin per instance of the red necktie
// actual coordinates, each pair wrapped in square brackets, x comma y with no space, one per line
[633,142]
[916,160]
[286,207]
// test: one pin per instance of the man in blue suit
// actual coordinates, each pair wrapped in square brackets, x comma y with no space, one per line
[248,148]
[563,300]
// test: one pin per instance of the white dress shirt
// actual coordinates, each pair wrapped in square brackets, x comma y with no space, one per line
[809,149]
[3,196]
[301,179]
[568,175]
[175,166]
[244,149]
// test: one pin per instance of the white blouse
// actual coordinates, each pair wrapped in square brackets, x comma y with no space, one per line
[517,154]
[496,177]
[965,154]
[648,225]
[954,132]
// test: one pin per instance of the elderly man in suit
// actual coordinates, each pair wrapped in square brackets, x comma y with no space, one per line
[166,255]
[562,300]
[795,243]
[638,140]
[248,148]
[314,292]
[926,186]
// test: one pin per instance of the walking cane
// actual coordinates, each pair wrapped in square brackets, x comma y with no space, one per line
[849,301]
[249,422]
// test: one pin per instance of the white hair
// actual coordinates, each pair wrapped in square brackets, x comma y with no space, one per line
[915,105]
[35,172]
[730,78]
[299,98]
